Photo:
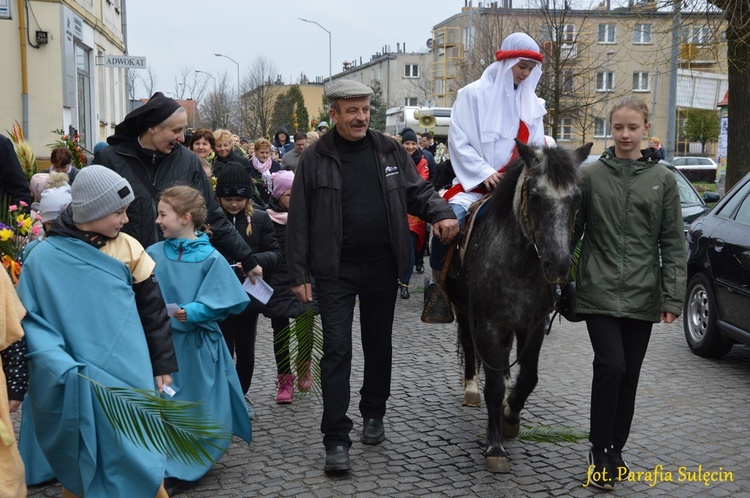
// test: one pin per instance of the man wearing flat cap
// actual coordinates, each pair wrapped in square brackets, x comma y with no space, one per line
[348,229]
[147,150]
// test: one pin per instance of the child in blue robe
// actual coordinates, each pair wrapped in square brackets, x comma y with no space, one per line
[95,311]
[195,277]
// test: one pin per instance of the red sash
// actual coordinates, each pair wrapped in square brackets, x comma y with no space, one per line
[523,136]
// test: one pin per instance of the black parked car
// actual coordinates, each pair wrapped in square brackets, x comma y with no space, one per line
[716,313]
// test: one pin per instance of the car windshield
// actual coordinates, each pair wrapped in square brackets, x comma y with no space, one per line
[688,195]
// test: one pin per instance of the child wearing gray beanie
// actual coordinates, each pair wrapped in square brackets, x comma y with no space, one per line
[118,333]
[98,192]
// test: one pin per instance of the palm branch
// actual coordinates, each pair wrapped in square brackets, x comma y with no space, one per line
[179,430]
[552,434]
[304,335]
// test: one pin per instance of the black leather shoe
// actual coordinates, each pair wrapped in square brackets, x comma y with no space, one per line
[619,465]
[373,431]
[599,473]
[404,292]
[419,267]
[337,459]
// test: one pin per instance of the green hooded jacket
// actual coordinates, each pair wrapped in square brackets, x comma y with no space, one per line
[632,261]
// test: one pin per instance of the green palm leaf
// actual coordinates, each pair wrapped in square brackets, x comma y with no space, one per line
[552,434]
[177,429]
[304,335]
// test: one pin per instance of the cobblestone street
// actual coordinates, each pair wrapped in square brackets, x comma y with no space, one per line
[691,413]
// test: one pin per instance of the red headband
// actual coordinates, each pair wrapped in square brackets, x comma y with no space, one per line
[524,54]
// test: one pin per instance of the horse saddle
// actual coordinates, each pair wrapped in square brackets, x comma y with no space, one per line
[476,211]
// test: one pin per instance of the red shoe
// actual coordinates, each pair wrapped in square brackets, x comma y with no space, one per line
[304,381]
[285,385]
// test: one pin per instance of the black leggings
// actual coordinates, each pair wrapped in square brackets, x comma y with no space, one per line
[619,348]
[281,345]
[239,333]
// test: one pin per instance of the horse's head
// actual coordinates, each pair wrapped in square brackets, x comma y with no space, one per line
[546,201]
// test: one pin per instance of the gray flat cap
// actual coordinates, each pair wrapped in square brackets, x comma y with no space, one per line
[347,89]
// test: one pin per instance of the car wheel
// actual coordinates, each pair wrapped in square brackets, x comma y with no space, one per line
[699,320]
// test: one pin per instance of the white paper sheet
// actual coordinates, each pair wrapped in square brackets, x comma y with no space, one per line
[259,290]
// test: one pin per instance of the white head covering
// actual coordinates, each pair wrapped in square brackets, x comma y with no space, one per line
[501,104]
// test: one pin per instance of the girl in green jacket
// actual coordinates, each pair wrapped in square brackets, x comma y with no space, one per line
[631,274]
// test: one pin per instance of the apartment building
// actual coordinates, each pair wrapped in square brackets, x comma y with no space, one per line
[57,73]
[404,76]
[592,58]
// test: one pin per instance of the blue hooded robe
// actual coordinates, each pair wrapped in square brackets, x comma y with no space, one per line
[82,318]
[195,276]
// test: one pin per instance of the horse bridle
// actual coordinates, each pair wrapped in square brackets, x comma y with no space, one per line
[525,211]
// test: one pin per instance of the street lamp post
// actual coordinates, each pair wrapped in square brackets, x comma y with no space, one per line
[606,97]
[207,74]
[239,90]
[330,66]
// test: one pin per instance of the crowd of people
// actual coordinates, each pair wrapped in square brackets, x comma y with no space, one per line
[153,261]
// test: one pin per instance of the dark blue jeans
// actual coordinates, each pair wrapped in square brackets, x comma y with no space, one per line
[375,283]
[409,271]
[438,250]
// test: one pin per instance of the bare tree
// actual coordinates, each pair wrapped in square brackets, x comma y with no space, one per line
[149,81]
[423,87]
[258,100]
[737,15]
[218,109]
[132,76]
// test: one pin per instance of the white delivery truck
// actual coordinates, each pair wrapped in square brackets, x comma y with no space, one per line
[420,119]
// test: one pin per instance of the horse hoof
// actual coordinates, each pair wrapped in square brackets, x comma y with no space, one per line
[497,464]
[471,399]
[509,430]
[471,393]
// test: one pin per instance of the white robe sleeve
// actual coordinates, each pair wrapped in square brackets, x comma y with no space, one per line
[464,141]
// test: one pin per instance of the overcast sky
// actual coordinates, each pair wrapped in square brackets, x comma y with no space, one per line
[175,33]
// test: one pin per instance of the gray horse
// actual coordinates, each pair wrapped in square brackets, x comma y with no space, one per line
[504,288]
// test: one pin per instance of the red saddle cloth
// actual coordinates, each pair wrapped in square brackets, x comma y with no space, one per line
[523,136]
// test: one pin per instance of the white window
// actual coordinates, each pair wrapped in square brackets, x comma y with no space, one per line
[600,126]
[565,130]
[606,33]
[549,33]
[640,82]
[411,70]
[642,34]
[605,81]
[5,12]
[566,82]
[568,51]
[696,35]
[410,101]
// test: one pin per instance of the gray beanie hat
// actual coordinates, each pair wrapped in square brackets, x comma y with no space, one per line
[98,192]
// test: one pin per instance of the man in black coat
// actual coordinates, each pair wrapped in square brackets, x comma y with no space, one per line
[147,150]
[13,184]
[348,229]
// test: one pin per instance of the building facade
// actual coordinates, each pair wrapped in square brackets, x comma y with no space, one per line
[592,59]
[404,77]
[55,78]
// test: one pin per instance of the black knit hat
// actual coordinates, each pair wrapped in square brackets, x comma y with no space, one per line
[234,181]
[158,108]
[408,135]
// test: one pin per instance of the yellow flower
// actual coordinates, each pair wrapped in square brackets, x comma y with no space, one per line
[5,234]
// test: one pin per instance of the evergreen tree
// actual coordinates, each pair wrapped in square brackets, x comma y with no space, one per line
[377,107]
[284,109]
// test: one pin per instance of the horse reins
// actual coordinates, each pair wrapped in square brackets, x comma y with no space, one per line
[530,236]
[525,211]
